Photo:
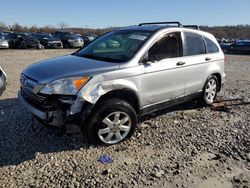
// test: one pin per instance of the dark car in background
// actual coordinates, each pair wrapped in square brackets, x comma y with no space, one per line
[23,41]
[3,81]
[241,47]
[88,38]
[48,40]
[69,39]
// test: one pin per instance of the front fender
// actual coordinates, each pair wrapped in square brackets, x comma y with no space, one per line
[93,92]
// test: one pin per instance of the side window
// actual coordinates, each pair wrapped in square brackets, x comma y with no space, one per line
[211,46]
[169,46]
[194,44]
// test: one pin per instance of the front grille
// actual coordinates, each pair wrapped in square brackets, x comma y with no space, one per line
[34,98]
[27,87]
[27,82]
[57,45]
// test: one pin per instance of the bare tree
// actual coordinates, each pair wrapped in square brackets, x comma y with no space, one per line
[62,25]
[3,26]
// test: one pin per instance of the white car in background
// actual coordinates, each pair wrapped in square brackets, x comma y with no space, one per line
[3,42]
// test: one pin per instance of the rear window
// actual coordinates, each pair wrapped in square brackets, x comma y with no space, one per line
[211,46]
[194,44]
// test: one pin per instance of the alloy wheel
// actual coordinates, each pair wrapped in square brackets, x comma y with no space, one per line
[115,127]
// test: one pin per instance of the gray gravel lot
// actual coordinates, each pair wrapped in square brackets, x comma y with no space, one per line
[192,147]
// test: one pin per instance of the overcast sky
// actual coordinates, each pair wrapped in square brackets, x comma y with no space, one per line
[105,13]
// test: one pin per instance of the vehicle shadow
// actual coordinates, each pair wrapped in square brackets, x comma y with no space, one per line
[21,141]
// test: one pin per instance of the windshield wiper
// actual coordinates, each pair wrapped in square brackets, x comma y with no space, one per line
[100,58]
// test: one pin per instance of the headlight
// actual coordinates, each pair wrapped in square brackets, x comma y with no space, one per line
[70,40]
[65,86]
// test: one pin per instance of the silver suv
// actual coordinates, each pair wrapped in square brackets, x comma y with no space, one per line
[107,86]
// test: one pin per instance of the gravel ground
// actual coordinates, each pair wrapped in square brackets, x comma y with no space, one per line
[186,146]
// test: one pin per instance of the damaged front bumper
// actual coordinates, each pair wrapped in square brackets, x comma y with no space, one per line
[3,81]
[66,114]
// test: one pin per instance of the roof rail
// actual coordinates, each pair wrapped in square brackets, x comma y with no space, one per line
[157,23]
[192,26]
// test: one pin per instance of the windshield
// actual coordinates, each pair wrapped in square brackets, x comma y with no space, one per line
[116,46]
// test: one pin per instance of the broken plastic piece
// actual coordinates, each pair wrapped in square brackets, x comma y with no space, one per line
[104,159]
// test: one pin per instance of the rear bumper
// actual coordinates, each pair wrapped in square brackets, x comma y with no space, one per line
[2,89]
[4,46]
[223,79]
[54,45]
[3,81]
[77,44]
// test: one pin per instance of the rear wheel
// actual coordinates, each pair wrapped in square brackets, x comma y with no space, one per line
[114,121]
[66,45]
[210,90]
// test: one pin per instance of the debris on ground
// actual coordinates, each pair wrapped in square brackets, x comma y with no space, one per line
[104,159]
[226,104]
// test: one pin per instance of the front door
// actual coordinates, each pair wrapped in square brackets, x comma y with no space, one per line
[164,73]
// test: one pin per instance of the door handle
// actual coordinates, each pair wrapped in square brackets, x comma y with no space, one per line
[208,59]
[180,63]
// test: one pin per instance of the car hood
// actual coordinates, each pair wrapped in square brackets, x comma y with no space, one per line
[66,66]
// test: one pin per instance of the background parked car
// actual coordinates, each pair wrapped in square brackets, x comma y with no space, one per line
[69,39]
[3,42]
[88,39]
[48,40]
[3,81]
[23,41]
[242,47]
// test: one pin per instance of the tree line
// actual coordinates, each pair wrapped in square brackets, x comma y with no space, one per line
[228,32]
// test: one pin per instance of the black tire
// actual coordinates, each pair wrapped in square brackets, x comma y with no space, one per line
[205,99]
[66,45]
[102,111]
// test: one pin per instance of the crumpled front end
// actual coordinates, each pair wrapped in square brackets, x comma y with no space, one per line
[62,111]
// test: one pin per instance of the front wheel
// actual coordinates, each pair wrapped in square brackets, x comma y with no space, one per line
[113,122]
[210,90]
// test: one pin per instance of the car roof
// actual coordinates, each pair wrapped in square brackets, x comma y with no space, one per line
[154,28]
[157,26]
[149,28]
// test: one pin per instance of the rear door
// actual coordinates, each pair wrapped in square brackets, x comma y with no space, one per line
[197,62]
[164,73]
[239,47]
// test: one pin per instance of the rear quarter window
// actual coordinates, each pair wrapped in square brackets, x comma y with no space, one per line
[211,46]
[194,44]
